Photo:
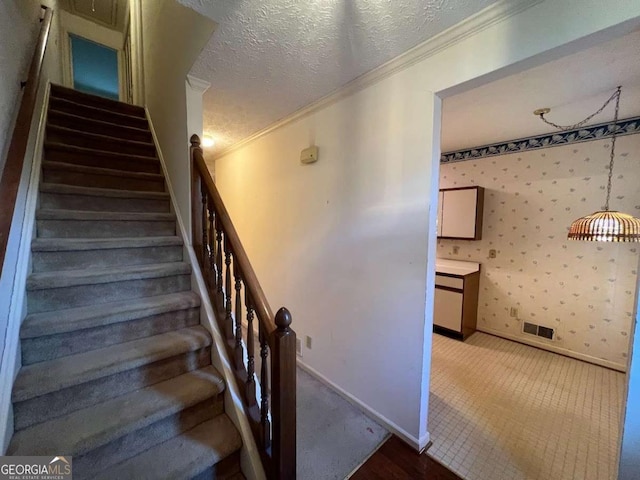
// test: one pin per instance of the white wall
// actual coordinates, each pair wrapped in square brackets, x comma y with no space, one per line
[584,290]
[18,32]
[348,243]
[172,38]
[630,447]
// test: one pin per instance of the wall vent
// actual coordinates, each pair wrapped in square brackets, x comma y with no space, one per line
[538,330]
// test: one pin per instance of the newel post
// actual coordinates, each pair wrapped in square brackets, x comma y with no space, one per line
[195,197]
[283,397]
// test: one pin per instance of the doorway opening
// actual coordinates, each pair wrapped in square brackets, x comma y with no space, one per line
[531,383]
[95,68]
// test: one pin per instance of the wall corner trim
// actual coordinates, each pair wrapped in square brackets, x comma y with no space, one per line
[198,84]
[495,13]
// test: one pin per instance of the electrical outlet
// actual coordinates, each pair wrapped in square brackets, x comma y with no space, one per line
[456,249]
[513,312]
[492,253]
[308,341]
[299,347]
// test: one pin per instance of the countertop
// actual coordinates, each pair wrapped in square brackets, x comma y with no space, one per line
[456,267]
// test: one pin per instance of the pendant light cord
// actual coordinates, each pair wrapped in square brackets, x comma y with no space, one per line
[616,96]
[613,147]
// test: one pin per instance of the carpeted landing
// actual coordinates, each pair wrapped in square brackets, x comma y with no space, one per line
[334,437]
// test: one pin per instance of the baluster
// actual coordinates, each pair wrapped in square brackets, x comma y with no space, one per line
[219,295]
[228,319]
[238,317]
[212,243]
[250,387]
[204,262]
[264,390]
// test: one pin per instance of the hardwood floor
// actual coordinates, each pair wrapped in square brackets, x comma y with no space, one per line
[397,461]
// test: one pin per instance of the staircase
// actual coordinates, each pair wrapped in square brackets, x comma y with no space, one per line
[116,368]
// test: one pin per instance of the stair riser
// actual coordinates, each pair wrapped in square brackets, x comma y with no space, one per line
[102,204]
[115,145]
[98,102]
[99,459]
[227,469]
[106,116]
[87,259]
[110,129]
[104,228]
[67,400]
[101,161]
[68,177]
[54,346]
[77,296]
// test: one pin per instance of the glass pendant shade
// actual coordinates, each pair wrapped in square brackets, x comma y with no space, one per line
[606,226]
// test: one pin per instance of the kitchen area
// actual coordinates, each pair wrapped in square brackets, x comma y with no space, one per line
[531,329]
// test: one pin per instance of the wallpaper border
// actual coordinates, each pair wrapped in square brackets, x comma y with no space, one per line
[596,132]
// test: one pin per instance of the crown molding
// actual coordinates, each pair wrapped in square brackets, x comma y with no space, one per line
[487,17]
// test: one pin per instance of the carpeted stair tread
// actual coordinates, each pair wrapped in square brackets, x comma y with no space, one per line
[72,167]
[93,111]
[74,244]
[80,318]
[101,192]
[50,376]
[69,278]
[54,116]
[96,137]
[80,431]
[181,457]
[56,214]
[93,151]
[60,92]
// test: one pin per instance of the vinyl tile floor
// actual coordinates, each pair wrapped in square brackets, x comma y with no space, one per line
[501,410]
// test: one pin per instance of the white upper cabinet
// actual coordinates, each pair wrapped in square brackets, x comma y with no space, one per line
[460,213]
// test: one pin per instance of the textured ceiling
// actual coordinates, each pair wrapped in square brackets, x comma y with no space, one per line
[268,59]
[573,87]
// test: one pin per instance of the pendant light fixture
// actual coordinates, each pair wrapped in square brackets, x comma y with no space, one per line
[604,225]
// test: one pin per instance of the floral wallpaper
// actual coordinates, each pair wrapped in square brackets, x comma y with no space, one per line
[584,290]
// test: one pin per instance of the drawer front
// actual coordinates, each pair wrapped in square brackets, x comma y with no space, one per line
[452,282]
[447,310]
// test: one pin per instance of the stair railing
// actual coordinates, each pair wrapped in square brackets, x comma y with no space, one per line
[228,274]
[13,166]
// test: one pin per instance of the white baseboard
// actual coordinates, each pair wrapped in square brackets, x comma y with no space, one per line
[11,358]
[555,349]
[251,462]
[419,444]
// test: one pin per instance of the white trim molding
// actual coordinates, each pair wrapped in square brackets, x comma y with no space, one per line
[497,12]
[25,218]
[548,346]
[418,444]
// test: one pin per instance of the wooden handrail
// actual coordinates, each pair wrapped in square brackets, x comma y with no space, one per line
[20,138]
[260,304]
[220,252]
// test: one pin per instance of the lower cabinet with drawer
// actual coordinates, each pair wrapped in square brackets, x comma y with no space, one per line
[456,304]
